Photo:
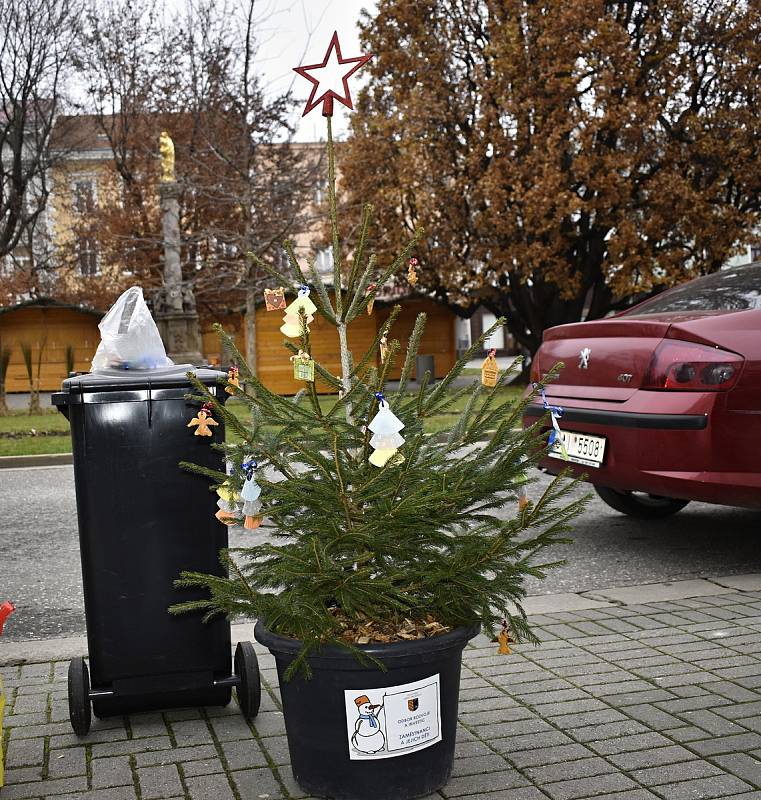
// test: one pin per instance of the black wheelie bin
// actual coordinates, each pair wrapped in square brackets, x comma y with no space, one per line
[142,520]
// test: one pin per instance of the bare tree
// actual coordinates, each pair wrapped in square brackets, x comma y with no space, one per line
[244,185]
[35,51]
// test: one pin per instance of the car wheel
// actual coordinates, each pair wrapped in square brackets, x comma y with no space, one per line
[640,504]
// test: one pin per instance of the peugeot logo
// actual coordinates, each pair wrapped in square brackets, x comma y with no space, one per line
[584,358]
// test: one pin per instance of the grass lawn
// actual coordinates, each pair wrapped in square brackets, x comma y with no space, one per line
[53,422]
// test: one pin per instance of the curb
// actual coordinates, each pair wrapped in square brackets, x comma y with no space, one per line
[37,651]
[41,460]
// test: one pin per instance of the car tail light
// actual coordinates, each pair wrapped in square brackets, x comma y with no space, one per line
[691,367]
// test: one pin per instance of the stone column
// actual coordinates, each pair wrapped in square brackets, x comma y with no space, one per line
[174,303]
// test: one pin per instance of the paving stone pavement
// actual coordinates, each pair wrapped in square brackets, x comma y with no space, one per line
[627,702]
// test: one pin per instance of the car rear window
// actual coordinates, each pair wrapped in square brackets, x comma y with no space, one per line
[734,289]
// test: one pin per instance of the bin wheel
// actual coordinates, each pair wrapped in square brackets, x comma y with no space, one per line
[249,689]
[79,696]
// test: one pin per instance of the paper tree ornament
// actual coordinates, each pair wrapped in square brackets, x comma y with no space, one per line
[233,380]
[490,369]
[371,298]
[291,326]
[383,347]
[226,513]
[412,272]
[386,440]
[303,366]
[250,496]
[274,299]
[504,640]
[202,422]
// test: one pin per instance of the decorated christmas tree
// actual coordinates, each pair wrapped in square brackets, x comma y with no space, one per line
[376,530]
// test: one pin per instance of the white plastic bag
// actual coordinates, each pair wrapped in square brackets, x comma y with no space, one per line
[129,336]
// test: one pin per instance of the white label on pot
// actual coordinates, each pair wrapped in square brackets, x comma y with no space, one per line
[394,720]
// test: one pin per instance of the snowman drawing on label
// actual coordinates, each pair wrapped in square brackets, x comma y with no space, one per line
[368,736]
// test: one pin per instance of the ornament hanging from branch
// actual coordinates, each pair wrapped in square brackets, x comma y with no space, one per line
[203,421]
[291,326]
[303,366]
[274,299]
[556,412]
[386,439]
[412,272]
[504,640]
[330,78]
[250,496]
[371,298]
[233,380]
[490,369]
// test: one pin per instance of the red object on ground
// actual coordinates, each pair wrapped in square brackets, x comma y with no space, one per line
[664,400]
[6,609]
[323,85]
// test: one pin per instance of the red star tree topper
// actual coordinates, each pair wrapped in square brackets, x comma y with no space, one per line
[324,83]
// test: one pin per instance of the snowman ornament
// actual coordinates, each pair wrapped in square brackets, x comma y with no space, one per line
[368,736]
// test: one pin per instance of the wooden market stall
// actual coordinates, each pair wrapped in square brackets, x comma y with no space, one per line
[276,371]
[59,335]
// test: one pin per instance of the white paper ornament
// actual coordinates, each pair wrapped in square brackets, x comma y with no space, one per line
[380,457]
[251,490]
[385,426]
[251,508]
[385,421]
[387,441]
[291,320]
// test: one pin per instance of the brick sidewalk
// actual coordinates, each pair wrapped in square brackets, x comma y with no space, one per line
[624,702]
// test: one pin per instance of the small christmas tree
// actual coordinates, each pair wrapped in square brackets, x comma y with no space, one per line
[366,547]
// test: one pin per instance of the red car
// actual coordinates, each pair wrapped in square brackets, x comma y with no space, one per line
[661,404]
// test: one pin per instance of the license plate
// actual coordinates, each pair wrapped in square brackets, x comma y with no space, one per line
[581,448]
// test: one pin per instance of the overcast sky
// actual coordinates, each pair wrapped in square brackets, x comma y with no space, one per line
[296,32]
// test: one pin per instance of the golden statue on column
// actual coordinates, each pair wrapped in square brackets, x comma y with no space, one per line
[166,148]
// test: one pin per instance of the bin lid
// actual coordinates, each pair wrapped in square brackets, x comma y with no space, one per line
[117,380]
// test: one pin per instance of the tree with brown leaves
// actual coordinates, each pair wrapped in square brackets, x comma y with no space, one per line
[564,158]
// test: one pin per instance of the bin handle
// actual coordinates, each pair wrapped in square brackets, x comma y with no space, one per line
[150,405]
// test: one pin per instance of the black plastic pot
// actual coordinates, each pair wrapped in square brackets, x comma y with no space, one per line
[320,716]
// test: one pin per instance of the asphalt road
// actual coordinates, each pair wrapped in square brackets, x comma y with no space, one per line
[40,572]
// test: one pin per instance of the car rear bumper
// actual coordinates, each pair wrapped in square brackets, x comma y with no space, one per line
[629,419]
[690,453]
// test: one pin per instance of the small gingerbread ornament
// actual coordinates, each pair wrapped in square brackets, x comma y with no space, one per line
[233,380]
[203,421]
[490,369]
[504,640]
[274,299]
[412,272]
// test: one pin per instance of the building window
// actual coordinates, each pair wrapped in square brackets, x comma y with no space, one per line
[323,262]
[87,256]
[84,197]
[320,191]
